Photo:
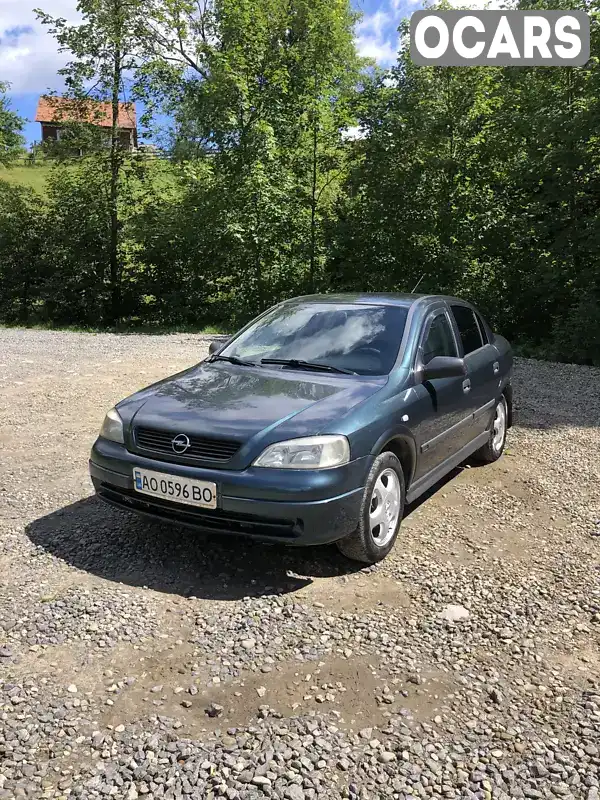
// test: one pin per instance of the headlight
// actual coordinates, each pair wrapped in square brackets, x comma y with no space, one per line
[112,427]
[313,452]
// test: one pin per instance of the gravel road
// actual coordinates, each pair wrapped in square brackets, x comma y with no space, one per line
[141,660]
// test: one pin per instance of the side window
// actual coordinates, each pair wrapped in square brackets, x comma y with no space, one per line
[439,340]
[483,329]
[468,328]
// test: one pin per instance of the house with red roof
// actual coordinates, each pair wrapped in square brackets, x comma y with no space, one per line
[54,113]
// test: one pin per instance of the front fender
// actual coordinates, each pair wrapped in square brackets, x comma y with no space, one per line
[401,441]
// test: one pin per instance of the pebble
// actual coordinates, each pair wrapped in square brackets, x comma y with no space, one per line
[454,613]
[491,709]
[260,780]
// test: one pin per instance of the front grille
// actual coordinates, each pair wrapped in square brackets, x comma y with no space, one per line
[201,449]
[203,518]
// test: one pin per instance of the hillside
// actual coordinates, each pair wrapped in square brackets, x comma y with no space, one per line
[34,176]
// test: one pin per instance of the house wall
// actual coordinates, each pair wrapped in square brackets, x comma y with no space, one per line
[126,139]
[127,136]
[49,132]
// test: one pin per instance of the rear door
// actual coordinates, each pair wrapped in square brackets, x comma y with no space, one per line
[481,360]
[440,429]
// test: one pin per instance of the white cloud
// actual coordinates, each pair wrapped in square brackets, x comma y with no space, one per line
[376,37]
[29,57]
[384,52]
[353,133]
[376,34]
[375,24]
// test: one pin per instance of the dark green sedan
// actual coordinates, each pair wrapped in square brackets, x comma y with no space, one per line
[315,423]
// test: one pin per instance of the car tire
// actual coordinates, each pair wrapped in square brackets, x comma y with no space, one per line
[494,447]
[384,490]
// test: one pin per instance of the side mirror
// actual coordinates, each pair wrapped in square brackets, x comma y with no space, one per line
[444,367]
[218,344]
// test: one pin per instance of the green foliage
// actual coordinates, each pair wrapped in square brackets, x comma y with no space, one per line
[55,264]
[11,140]
[482,182]
[23,265]
[479,182]
[106,39]
[578,333]
[104,49]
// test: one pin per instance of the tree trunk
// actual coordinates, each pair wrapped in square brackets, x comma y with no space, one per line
[448,224]
[580,276]
[313,207]
[258,271]
[115,165]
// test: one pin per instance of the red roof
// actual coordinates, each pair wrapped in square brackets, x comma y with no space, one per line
[64,109]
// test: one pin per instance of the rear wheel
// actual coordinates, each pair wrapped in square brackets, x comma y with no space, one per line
[494,447]
[381,512]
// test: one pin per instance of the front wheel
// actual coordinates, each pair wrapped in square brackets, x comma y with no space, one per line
[494,447]
[381,512]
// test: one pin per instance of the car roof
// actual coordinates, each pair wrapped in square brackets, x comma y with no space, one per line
[373,298]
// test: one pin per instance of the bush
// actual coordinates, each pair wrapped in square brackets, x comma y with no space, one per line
[23,251]
[577,337]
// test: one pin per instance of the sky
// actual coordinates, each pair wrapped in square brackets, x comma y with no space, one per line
[29,57]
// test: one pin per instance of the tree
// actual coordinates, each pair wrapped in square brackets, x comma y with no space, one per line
[104,49]
[485,182]
[263,89]
[418,202]
[11,125]
[22,251]
[481,182]
[325,73]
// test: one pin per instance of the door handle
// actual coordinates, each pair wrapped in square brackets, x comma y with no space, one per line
[466,386]
[496,367]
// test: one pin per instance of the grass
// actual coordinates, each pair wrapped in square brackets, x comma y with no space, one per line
[34,176]
[163,177]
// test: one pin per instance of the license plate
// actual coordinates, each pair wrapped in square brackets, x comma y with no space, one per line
[179,490]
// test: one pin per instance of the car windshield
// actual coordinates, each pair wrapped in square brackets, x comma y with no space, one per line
[359,338]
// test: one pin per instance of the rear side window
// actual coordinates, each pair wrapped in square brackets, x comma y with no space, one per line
[468,328]
[439,340]
[483,329]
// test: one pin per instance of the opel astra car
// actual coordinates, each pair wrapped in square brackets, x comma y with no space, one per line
[315,423]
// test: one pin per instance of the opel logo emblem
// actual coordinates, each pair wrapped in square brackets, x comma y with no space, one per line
[180,443]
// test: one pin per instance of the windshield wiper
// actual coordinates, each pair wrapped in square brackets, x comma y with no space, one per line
[298,362]
[232,360]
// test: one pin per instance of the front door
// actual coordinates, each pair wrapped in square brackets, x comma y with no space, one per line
[441,429]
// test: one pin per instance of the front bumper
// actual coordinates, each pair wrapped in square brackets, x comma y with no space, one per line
[297,506]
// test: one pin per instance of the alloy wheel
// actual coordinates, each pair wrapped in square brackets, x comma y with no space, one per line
[499,426]
[384,508]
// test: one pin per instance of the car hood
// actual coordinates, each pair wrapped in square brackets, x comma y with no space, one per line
[223,400]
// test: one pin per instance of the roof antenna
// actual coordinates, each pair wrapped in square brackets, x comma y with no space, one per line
[418,283]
